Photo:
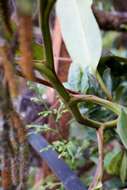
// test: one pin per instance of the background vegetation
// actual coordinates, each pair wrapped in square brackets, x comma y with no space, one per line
[63,81]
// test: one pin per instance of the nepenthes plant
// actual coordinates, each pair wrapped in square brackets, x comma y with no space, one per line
[94,94]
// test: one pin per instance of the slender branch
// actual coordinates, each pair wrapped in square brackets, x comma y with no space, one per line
[42,81]
[116,108]
[65,96]
[45,8]
[111,124]
[71,101]
[79,98]
[81,118]
[97,181]
[55,82]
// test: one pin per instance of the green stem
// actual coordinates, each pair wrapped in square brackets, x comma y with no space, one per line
[82,119]
[111,124]
[49,72]
[116,108]
[65,96]
[68,99]
[45,9]
[52,77]
[89,122]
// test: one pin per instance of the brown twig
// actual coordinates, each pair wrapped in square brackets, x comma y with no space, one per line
[99,171]
[43,81]
[25,40]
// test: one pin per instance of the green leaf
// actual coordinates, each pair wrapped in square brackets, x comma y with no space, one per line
[84,86]
[107,79]
[123,169]
[112,162]
[80,32]
[38,51]
[74,77]
[122,127]
[120,91]
[77,80]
